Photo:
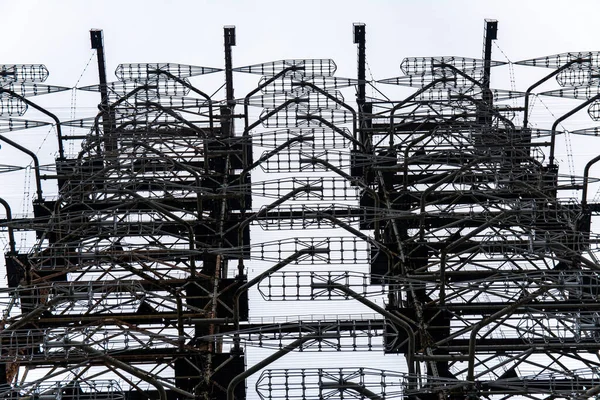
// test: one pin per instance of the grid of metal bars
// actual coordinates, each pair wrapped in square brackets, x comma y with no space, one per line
[137,283]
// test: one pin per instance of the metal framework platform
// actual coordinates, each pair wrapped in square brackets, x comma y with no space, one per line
[447,206]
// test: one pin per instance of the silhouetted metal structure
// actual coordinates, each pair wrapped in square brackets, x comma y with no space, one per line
[136,286]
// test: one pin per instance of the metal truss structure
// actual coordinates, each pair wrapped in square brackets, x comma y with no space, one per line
[448,204]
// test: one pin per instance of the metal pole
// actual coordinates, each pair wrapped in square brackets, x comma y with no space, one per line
[229,38]
[364,109]
[108,116]
[360,41]
[97,40]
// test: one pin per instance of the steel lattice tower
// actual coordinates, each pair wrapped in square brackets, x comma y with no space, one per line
[447,204]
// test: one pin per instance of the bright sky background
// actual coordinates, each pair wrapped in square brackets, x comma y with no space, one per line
[56,33]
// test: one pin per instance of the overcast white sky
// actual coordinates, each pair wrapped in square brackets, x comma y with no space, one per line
[56,33]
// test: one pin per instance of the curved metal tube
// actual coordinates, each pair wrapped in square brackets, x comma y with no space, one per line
[241,225]
[344,175]
[11,233]
[352,179]
[586,174]
[309,117]
[561,119]
[192,88]
[430,189]
[247,128]
[272,358]
[61,151]
[114,105]
[270,154]
[412,96]
[173,114]
[265,84]
[274,111]
[162,210]
[334,99]
[391,255]
[180,165]
[445,250]
[544,79]
[394,318]
[243,288]
[25,319]
[141,374]
[492,318]
[36,164]
[358,388]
